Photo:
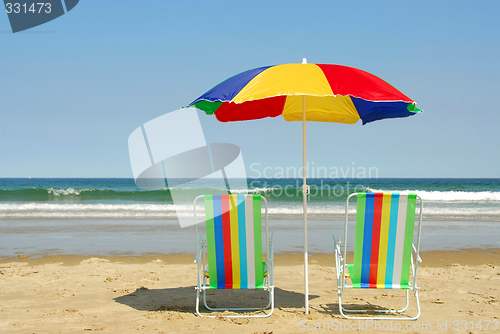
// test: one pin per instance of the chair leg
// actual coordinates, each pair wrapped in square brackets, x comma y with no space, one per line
[398,311]
[198,302]
[270,303]
[386,311]
[271,295]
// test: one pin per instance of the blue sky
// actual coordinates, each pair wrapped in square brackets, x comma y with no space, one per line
[72,90]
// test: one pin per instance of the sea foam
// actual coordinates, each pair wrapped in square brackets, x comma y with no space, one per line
[170,211]
[449,196]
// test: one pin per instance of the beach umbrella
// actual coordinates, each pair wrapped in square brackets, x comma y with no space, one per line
[305,92]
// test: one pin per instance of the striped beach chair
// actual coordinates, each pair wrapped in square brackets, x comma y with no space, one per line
[384,254]
[230,255]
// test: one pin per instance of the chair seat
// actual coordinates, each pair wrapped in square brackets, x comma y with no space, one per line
[358,285]
[264,275]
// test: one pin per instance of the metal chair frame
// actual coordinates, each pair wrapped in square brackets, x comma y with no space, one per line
[341,269]
[201,260]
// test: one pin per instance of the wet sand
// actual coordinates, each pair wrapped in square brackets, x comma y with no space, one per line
[138,237]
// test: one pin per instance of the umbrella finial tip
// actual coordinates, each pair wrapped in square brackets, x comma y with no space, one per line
[304,61]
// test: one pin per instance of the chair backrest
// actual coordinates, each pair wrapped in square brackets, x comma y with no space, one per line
[383,240]
[234,241]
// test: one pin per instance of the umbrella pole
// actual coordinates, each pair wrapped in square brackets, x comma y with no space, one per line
[304,193]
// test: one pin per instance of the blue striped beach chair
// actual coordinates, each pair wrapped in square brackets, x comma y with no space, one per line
[230,255]
[384,254]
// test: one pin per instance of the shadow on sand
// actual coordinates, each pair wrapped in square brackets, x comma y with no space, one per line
[183,299]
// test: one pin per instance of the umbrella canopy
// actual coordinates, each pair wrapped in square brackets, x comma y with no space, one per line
[334,93]
[306,92]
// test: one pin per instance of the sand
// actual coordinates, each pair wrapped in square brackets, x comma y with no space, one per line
[155,294]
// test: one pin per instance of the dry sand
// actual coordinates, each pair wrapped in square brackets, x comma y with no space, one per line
[155,294]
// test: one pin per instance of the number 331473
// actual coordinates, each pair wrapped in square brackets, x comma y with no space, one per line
[475,325]
[35,8]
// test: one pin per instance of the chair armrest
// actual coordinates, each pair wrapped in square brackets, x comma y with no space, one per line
[419,259]
[336,245]
[271,245]
[198,248]
[339,264]
[270,260]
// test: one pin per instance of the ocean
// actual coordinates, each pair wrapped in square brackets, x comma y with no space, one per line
[122,199]
[40,217]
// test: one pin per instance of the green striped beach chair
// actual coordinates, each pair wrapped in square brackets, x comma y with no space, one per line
[384,254]
[230,255]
